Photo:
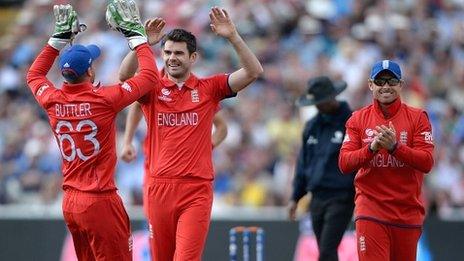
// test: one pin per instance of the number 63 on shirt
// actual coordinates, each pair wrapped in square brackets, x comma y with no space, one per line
[70,154]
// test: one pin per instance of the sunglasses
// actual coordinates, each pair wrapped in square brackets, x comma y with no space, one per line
[383,81]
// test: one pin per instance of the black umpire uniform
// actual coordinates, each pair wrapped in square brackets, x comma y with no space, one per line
[332,202]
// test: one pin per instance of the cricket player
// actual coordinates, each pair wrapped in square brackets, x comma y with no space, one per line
[179,114]
[154,28]
[390,145]
[82,118]
[129,153]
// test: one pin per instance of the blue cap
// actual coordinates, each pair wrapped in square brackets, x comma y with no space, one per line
[386,65]
[78,58]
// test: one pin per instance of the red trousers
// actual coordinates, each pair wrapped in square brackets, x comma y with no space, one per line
[99,225]
[179,216]
[381,242]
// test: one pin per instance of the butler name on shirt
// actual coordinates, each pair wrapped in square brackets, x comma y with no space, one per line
[178,119]
[73,110]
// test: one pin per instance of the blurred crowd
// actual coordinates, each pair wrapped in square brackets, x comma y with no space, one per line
[294,40]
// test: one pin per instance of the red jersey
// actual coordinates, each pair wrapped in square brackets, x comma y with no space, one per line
[82,119]
[179,125]
[388,186]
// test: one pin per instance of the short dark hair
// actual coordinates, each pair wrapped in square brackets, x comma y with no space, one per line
[71,77]
[181,35]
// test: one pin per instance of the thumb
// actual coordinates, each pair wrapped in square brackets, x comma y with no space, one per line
[390,124]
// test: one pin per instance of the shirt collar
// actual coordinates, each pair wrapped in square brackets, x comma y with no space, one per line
[391,109]
[77,87]
[190,83]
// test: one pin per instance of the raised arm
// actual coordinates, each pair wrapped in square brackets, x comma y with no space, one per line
[134,116]
[66,27]
[123,16]
[222,25]
[128,66]
[154,28]
[220,130]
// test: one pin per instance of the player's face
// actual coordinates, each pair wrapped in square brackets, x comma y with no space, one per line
[177,60]
[385,87]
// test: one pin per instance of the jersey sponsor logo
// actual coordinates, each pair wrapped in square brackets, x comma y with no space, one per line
[150,230]
[130,243]
[42,89]
[178,119]
[386,161]
[126,87]
[311,140]
[164,98]
[428,137]
[195,96]
[73,110]
[165,92]
[370,136]
[404,137]
[369,132]
[362,243]
[337,138]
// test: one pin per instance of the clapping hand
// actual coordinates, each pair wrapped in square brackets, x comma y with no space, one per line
[385,136]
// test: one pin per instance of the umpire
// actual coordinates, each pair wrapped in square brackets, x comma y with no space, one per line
[332,202]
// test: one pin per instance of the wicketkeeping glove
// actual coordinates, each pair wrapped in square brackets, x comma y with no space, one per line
[66,26]
[124,16]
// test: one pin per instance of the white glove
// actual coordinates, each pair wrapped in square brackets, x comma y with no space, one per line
[66,26]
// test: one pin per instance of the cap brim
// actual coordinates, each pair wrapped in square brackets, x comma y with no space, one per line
[94,51]
[303,100]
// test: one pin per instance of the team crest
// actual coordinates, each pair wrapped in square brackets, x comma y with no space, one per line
[195,96]
[404,137]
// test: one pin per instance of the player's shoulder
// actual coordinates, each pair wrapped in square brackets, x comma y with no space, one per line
[413,110]
[414,114]
[213,78]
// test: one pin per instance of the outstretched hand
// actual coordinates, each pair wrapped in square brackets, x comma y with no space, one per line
[221,24]
[154,29]
[67,26]
[124,16]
